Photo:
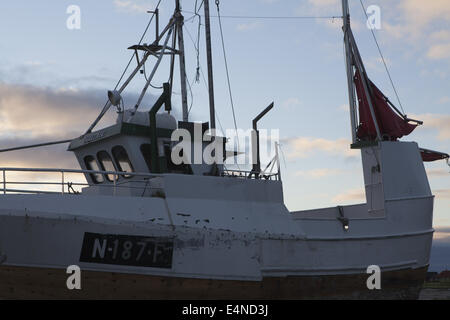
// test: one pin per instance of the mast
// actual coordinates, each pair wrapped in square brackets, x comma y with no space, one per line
[353,59]
[349,67]
[179,28]
[210,70]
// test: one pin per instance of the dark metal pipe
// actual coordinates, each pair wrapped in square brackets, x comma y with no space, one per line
[163,99]
[257,166]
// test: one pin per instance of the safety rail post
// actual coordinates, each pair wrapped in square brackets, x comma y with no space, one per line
[62,181]
[277,146]
[116,177]
[4,181]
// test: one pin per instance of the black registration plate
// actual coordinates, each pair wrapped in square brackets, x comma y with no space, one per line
[127,250]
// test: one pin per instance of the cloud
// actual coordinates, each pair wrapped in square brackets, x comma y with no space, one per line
[33,112]
[442,234]
[291,103]
[422,24]
[324,3]
[421,13]
[134,6]
[358,194]
[350,195]
[439,122]
[344,107]
[303,147]
[31,115]
[414,18]
[442,193]
[439,51]
[319,173]
[438,172]
[444,100]
[376,63]
[441,35]
[248,26]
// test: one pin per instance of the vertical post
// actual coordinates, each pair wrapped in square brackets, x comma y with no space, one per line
[349,67]
[116,176]
[172,60]
[4,181]
[179,28]
[62,181]
[257,166]
[212,114]
[157,24]
[277,145]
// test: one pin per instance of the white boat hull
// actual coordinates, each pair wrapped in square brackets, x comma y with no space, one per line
[249,246]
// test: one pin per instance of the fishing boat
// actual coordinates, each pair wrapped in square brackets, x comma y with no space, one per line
[145,226]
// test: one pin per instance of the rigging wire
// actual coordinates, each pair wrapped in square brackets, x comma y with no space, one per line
[200,69]
[227,71]
[271,17]
[282,154]
[197,52]
[145,76]
[197,75]
[382,58]
[228,76]
[104,109]
[140,41]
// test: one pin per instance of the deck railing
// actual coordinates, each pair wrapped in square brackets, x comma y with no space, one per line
[250,175]
[67,186]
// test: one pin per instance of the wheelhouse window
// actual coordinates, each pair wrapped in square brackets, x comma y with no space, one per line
[122,161]
[91,164]
[106,164]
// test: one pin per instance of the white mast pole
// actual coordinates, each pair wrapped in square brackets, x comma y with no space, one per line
[179,24]
[210,70]
[353,57]
[349,66]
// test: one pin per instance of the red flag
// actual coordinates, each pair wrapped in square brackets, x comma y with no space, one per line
[391,125]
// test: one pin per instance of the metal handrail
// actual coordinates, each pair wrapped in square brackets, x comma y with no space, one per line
[120,173]
[248,174]
[62,182]
[115,183]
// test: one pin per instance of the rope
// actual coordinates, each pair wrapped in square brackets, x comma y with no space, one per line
[197,74]
[227,72]
[382,58]
[200,69]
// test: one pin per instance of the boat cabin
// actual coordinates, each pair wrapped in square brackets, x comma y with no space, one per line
[126,147]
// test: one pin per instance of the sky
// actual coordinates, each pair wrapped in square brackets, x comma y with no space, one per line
[53,81]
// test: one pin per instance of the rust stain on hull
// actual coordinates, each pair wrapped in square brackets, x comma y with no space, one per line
[45,283]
